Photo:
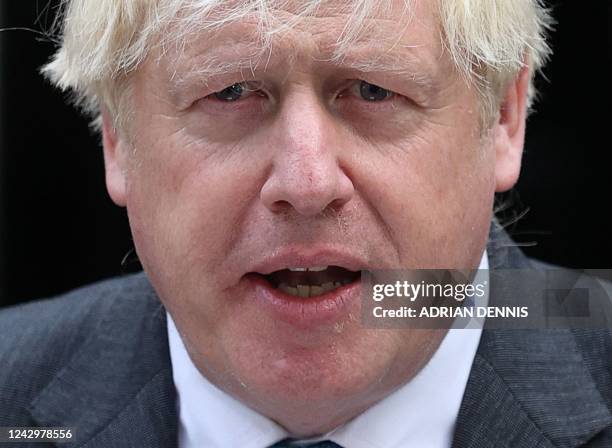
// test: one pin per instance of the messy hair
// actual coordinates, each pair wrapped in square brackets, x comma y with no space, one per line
[101,42]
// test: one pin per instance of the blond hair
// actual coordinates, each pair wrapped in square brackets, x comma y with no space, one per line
[102,41]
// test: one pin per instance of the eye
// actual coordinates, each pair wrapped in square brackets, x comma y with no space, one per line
[236,92]
[231,93]
[372,92]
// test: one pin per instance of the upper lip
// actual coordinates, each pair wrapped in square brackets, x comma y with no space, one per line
[301,257]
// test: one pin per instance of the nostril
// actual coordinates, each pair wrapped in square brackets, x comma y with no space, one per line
[280,206]
[336,205]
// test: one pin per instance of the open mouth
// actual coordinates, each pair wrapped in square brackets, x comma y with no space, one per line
[313,281]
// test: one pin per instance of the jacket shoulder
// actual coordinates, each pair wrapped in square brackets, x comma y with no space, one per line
[593,344]
[38,338]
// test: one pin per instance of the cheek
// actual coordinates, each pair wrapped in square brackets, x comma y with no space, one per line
[182,203]
[435,194]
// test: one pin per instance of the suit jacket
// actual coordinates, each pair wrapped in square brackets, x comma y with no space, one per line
[97,360]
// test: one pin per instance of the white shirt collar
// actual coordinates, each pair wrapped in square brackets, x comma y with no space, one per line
[423,412]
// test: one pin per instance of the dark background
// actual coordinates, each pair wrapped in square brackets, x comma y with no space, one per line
[59,230]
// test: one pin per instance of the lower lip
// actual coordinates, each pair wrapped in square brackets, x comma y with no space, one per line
[328,308]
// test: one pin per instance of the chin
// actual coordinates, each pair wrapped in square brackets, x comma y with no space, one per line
[356,366]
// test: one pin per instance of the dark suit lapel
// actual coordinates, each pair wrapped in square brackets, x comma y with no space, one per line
[528,388]
[117,390]
[148,420]
[490,415]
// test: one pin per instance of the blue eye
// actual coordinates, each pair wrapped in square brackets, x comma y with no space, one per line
[231,93]
[371,92]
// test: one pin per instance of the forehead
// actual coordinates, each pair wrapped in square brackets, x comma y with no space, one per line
[369,33]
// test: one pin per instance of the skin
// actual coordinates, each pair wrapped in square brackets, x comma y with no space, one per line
[211,187]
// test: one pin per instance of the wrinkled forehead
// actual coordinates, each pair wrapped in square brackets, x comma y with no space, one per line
[221,36]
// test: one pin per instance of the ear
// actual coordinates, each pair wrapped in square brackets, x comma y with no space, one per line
[115,159]
[510,132]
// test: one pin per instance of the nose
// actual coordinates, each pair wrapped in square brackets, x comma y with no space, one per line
[306,173]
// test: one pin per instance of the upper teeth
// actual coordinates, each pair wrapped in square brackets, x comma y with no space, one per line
[312,268]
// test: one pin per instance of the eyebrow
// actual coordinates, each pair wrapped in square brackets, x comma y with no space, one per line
[391,63]
[213,63]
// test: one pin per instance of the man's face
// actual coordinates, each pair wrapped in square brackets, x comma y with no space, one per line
[306,164]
